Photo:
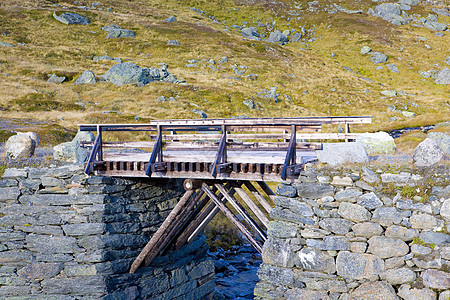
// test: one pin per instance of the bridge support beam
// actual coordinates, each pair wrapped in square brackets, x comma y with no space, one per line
[202,200]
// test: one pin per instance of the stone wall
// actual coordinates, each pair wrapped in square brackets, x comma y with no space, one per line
[67,236]
[359,234]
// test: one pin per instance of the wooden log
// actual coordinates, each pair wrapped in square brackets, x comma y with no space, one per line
[232,218]
[165,225]
[258,196]
[248,219]
[254,208]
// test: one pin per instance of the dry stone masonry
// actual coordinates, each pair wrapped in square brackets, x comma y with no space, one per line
[359,234]
[67,236]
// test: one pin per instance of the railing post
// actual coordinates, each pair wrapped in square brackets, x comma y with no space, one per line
[100,148]
[346,131]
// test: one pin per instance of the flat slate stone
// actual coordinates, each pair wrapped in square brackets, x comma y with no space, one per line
[377,290]
[314,190]
[385,247]
[357,266]
[399,276]
[353,212]
[336,225]
[120,33]
[367,229]
[436,279]
[71,19]
[314,260]
[277,252]
[40,270]
[401,233]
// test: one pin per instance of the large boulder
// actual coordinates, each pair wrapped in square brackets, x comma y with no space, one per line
[442,139]
[442,77]
[251,33]
[21,145]
[377,143]
[336,154]
[427,153]
[72,151]
[120,33]
[126,73]
[87,77]
[69,18]
[378,58]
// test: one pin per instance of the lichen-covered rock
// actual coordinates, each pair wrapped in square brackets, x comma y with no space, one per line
[357,266]
[125,73]
[378,58]
[69,18]
[445,210]
[21,145]
[353,212]
[277,37]
[120,33]
[385,247]
[378,290]
[87,77]
[399,276]
[285,190]
[442,140]
[367,229]
[278,252]
[401,233]
[436,279]
[387,216]
[72,151]
[314,260]
[281,230]
[305,294]
[427,153]
[377,143]
[314,190]
[336,225]
[370,201]
[406,293]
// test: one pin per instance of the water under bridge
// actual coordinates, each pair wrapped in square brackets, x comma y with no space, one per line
[224,161]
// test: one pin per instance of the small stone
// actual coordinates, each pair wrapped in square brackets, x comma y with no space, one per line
[436,279]
[405,292]
[170,19]
[367,229]
[335,225]
[387,216]
[120,33]
[394,262]
[423,221]
[370,201]
[358,247]
[286,190]
[342,181]
[314,190]
[417,249]
[357,266]
[69,18]
[374,290]
[378,58]
[314,260]
[385,247]
[278,252]
[56,79]
[281,230]
[399,276]
[88,77]
[401,233]
[365,50]
[427,153]
[173,43]
[353,212]
[349,195]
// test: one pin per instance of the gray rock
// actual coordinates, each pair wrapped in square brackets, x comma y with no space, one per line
[250,32]
[442,77]
[394,262]
[201,113]
[367,229]
[170,19]
[349,194]
[436,238]
[348,153]
[386,9]
[377,57]
[9,193]
[447,60]
[52,244]
[71,19]
[445,295]
[14,173]
[72,151]
[39,270]
[286,190]
[88,77]
[3,44]
[287,215]
[296,37]
[369,176]
[436,279]
[355,266]
[353,212]
[314,190]
[370,201]
[419,250]
[277,37]
[294,205]
[281,230]
[173,43]
[125,73]
[21,145]
[56,79]
[83,229]
[305,294]
[365,50]
[250,103]
[442,139]
[120,33]
[401,233]
[435,26]
[329,243]
[405,292]
[427,153]
[385,247]
[314,260]
[445,210]
[335,225]
[374,290]
[275,275]
[277,252]
[399,276]
[387,216]
[111,27]
[392,68]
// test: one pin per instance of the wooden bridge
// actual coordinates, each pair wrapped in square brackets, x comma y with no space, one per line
[224,161]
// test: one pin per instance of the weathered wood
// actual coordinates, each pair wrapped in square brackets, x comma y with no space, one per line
[253,207]
[232,218]
[290,154]
[247,218]
[258,196]
[221,152]
[157,151]
[165,225]
[266,189]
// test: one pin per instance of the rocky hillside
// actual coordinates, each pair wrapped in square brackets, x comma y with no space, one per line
[68,62]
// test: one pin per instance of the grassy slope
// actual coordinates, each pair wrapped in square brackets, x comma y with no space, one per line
[320,85]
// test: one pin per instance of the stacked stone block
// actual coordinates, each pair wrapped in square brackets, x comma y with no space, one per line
[64,235]
[353,234]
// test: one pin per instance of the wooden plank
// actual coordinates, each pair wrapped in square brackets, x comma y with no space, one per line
[290,154]
[248,219]
[266,189]
[258,196]
[157,151]
[221,152]
[164,226]
[254,208]
[232,218]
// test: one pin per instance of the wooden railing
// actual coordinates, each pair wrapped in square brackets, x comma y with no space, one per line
[193,137]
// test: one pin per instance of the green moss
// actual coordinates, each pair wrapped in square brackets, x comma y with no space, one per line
[34,102]
[408,191]
[2,170]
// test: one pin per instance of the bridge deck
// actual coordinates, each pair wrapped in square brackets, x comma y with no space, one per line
[272,149]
